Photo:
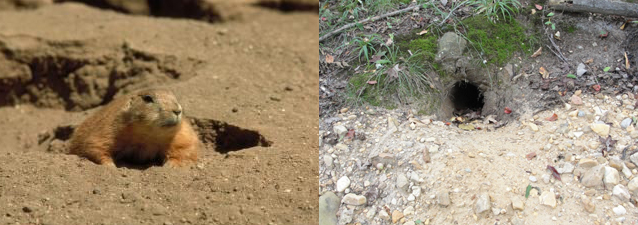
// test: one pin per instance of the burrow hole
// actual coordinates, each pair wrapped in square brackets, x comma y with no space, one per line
[466,97]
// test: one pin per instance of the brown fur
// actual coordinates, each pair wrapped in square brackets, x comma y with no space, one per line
[141,128]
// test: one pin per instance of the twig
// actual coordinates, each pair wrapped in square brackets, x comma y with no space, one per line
[558,53]
[451,12]
[347,26]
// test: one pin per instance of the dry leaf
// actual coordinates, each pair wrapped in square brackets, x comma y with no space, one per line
[330,59]
[552,118]
[375,58]
[423,32]
[389,42]
[537,52]
[623,26]
[533,11]
[393,72]
[557,35]
[466,126]
[589,61]
[543,72]
[626,61]
[539,7]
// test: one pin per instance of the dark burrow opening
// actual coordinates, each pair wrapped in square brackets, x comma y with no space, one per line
[466,97]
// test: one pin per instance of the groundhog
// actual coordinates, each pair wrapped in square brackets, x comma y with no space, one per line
[143,128]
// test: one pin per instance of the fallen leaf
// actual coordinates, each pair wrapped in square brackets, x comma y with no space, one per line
[508,110]
[608,144]
[329,58]
[423,32]
[623,26]
[596,87]
[589,61]
[543,72]
[533,11]
[603,34]
[375,58]
[389,42]
[537,52]
[466,126]
[372,82]
[393,72]
[530,155]
[539,7]
[350,134]
[552,118]
[571,76]
[554,172]
[557,35]
[626,61]
[527,190]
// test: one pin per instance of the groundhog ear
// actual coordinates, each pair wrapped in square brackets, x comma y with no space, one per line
[148,98]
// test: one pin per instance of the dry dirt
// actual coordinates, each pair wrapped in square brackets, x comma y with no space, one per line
[248,78]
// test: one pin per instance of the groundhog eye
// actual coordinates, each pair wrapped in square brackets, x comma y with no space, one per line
[148,98]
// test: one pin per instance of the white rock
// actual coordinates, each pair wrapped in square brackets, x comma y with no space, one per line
[408,211]
[621,192]
[371,212]
[625,123]
[482,203]
[611,176]
[548,198]
[434,148]
[546,178]
[634,158]
[633,186]
[600,129]
[416,191]
[565,168]
[411,197]
[383,215]
[353,199]
[517,203]
[619,210]
[444,198]
[327,161]
[580,70]
[532,179]
[593,177]
[343,183]
[577,134]
[402,182]
[340,130]
[414,177]
[626,171]
[533,126]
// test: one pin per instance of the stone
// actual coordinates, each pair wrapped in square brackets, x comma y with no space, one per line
[343,183]
[416,191]
[533,127]
[611,176]
[575,100]
[327,161]
[625,123]
[620,210]
[580,69]
[633,186]
[517,203]
[451,48]
[600,129]
[402,182]
[396,216]
[593,177]
[548,198]
[346,216]
[383,215]
[409,223]
[565,168]
[621,192]
[353,199]
[444,198]
[371,212]
[587,204]
[532,179]
[340,130]
[328,208]
[482,203]
[408,211]
[546,178]
[634,158]
[587,163]
[626,171]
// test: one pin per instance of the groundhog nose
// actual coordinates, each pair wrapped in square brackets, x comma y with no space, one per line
[177,112]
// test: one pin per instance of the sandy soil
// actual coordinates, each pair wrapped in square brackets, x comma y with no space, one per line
[257,73]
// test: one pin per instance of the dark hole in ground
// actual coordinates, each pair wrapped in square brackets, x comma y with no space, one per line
[227,138]
[189,9]
[466,97]
[288,6]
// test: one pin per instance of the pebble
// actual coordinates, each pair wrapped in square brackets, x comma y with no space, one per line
[581,69]
[587,163]
[396,216]
[380,166]
[353,199]
[600,129]
[416,191]
[371,212]
[328,208]
[532,179]
[383,215]
[593,177]
[546,178]
[444,198]
[581,113]
[517,203]
[409,223]
[565,168]
[633,186]
[402,182]
[533,127]
[619,210]
[589,206]
[575,100]
[327,161]
[625,123]
[408,211]
[548,198]
[611,176]
[634,159]
[343,183]
[340,130]
[483,203]
[621,192]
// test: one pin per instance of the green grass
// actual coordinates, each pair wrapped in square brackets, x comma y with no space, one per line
[495,9]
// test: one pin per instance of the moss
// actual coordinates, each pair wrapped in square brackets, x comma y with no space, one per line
[497,41]
[571,29]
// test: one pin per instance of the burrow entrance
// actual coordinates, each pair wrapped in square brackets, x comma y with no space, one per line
[466,97]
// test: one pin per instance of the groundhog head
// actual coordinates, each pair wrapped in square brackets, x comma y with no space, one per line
[154,108]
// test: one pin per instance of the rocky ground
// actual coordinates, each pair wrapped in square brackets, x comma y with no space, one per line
[382,166]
